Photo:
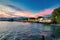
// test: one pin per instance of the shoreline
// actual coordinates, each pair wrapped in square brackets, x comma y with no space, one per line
[34,22]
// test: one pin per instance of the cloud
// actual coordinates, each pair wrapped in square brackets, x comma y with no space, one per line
[3,14]
[45,12]
[29,14]
[11,9]
[24,13]
[6,11]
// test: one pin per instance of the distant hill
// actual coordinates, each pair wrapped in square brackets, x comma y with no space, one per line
[48,15]
[14,18]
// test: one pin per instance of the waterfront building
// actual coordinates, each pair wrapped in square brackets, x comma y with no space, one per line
[32,19]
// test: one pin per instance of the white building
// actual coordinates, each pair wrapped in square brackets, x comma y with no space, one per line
[45,20]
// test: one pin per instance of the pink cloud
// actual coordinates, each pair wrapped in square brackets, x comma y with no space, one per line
[41,13]
[45,12]
[24,13]
[3,14]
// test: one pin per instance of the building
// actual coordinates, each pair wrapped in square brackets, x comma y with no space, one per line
[32,19]
[44,20]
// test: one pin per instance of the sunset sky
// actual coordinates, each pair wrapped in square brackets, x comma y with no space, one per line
[27,8]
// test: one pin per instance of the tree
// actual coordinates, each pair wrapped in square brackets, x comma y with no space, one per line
[56,15]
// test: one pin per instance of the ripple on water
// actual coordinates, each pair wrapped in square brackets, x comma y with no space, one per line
[23,31]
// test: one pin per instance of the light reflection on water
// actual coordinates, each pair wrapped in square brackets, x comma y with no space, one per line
[15,28]
[5,26]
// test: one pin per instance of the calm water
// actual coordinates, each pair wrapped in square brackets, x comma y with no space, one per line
[28,31]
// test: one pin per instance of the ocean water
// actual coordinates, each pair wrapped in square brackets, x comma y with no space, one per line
[28,31]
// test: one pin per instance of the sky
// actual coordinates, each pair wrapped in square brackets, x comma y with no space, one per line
[27,8]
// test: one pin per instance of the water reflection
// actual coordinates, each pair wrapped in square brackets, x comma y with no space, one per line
[28,31]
